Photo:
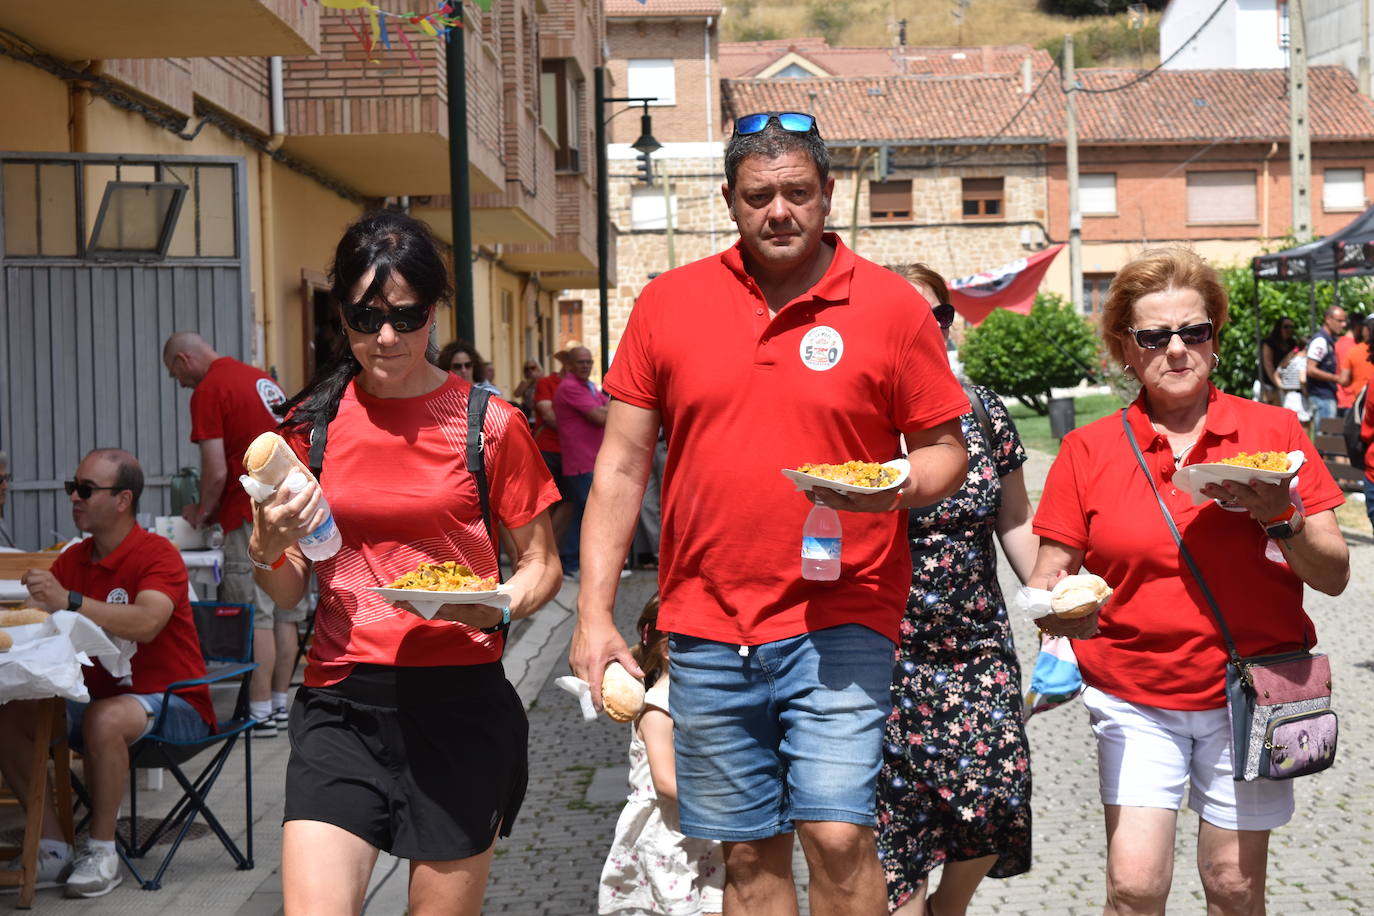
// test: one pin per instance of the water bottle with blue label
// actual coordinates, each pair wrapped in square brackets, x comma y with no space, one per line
[324,541]
[820,554]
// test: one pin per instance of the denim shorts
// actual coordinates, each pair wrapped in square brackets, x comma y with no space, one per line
[182,724]
[790,731]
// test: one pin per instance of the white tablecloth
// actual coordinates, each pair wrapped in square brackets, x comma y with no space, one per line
[204,568]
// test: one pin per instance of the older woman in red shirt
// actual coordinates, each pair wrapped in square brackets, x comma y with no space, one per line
[1153,656]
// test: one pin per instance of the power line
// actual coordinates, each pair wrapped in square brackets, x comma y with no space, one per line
[1155,69]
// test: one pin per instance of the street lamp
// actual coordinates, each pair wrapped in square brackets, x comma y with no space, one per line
[645,144]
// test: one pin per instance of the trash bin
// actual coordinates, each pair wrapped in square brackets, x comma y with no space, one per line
[1061,417]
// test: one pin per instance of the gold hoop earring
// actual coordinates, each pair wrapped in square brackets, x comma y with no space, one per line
[1128,370]
[1216,361]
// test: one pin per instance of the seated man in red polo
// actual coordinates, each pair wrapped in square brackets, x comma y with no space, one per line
[133,584]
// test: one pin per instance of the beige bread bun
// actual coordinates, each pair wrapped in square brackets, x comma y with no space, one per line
[6,640]
[1078,596]
[622,694]
[22,617]
[269,459]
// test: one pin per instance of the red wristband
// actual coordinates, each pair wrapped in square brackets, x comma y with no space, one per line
[275,564]
[1284,515]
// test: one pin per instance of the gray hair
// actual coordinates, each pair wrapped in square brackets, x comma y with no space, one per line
[772,142]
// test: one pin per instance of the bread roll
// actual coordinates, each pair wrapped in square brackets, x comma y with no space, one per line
[269,459]
[22,617]
[6,640]
[622,695]
[1079,596]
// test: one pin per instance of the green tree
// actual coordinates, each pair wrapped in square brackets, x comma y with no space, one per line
[1024,356]
[830,18]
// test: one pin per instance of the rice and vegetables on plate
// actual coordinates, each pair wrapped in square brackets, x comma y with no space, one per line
[1260,461]
[445,577]
[855,473]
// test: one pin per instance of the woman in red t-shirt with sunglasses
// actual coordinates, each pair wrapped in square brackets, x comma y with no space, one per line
[406,736]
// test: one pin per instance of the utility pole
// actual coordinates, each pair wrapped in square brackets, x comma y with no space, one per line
[668,217]
[1071,166]
[460,196]
[1299,128]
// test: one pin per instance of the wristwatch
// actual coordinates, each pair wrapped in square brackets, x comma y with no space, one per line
[504,624]
[74,599]
[1282,527]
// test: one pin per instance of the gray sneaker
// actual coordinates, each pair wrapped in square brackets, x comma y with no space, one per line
[94,873]
[52,871]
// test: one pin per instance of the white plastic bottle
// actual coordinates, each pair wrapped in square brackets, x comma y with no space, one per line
[324,541]
[820,553]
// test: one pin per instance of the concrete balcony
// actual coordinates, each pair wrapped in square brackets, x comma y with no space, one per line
[379,121]
[569,259]
[100,30]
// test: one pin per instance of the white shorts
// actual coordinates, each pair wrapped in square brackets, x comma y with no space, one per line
[1145,754]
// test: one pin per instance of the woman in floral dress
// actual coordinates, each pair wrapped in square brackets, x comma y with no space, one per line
[954,790]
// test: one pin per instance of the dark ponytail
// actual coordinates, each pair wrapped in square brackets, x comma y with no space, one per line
[388,241]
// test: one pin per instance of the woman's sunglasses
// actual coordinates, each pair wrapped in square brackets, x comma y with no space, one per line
[791,121]
[944,314]
[1154,338]
[84,490]
[368,320]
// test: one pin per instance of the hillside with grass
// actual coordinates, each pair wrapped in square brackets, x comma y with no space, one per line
[1120,40]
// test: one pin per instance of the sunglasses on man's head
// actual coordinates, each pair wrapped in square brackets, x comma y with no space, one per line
[944,314]
[368,320]
[791,121]
[1154,338]
[84,490]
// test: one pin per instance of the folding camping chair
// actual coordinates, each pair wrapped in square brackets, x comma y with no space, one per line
[226,642]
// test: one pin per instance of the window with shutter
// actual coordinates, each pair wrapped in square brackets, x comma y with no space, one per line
[983,198]
[889,200]
[1221,197]
[1097,194]
[1343,189]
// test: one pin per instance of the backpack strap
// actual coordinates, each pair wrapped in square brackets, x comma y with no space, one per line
[477,463]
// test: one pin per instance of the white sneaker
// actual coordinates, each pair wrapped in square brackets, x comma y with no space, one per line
[52,871]
[94,873]
[281,716]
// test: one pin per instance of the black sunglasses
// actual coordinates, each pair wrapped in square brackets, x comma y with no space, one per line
[6,478]
[368,320]
[791,121]
[944,314]
[84,490]
[1154,338]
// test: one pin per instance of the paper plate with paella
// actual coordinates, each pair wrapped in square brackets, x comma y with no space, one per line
[850,476]
[433,585]
[1269,467]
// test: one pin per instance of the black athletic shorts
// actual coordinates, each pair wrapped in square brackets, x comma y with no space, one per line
[424,763]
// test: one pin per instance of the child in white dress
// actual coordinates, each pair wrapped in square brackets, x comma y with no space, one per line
[652,869]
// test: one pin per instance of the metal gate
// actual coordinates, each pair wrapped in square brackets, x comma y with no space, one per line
[81,360]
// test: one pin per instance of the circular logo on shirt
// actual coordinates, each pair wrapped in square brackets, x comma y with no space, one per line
[272,396]
[821,348]
[117,596]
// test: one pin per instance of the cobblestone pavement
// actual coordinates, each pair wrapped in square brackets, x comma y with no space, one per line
[1320,863]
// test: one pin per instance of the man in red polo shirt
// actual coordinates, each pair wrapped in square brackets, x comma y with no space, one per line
[133,584]
[784,349]
[232,403]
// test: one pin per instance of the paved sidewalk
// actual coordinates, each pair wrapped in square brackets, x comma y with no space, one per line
[1320,863]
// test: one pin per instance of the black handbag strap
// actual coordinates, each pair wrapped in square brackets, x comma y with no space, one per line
[980,413]
[477,462]
[1178,539]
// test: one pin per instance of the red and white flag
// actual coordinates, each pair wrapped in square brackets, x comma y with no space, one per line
[1011,286]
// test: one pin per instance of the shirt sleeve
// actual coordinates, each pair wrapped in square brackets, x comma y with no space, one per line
[926,393]
[1008,453]
[207,421]
[1316,349]
[521,486]
[581,398]
[1062,515]
[631,377]
[164,571]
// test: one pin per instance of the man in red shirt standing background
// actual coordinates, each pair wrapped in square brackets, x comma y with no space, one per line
[232,403]
[132,583]
[784,349]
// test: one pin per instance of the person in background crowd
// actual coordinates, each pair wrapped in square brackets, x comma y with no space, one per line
[581,411]
[955,787]
[1153,656]
[406,737]
[1367,432]
[524,392]
[1355,367]
[6,476]
[232,403]
[1273,350]
[463,360]
[546,437]
[781,684]
[1292,378]
[1321,364]
[488,375]
[1344,341]
[132,583]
